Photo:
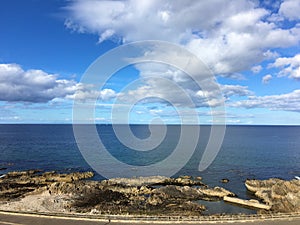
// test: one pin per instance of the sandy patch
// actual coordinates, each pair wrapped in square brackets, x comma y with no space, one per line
[39,202]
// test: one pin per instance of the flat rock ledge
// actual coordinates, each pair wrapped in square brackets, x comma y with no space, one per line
[253,203]
[35,191]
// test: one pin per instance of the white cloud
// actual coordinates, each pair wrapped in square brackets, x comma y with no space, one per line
[31,85]
[229,38]
[235,90]
[7,113]
[256,69]
[10,118]
[284,102]
[270,55]
[266,79]
[88,92]
[107,94]
[174,86]
[175,91]
[106,35]
[18,85]
[233,37]
[289,66]
[230,121]
[290,9]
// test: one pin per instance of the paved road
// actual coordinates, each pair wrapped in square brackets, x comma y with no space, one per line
[11,219]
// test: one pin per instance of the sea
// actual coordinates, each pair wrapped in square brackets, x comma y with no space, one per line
[247,152]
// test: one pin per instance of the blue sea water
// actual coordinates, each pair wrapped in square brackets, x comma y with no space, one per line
[258,152]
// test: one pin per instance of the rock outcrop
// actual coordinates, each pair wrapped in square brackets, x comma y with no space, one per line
[158,180]
[281,195]
[138,181]
[17,184]
[224,180]
[216,192]
[155,195]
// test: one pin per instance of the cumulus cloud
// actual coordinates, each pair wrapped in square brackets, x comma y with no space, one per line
[18,85]
[289,66]
[229,38]
[266,79]
[165,82]
[85,92]
[290,9]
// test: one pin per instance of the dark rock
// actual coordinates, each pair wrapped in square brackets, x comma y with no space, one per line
[178,192]
[99,197]
[225,180]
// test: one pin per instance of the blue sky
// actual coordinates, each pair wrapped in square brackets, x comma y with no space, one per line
[252,48]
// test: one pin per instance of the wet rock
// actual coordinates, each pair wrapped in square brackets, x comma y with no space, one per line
[281,195]
[225,180]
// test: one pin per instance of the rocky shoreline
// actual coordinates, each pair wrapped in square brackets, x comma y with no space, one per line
[50,192]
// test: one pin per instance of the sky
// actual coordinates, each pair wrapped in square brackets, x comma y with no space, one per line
[250,46]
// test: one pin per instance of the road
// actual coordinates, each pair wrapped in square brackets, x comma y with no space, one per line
[16,219]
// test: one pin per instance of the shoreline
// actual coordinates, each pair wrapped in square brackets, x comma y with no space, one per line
[140,198]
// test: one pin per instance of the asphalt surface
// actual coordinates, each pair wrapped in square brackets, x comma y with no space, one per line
[14,219]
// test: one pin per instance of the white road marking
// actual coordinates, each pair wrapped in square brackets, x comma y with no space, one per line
[10,223]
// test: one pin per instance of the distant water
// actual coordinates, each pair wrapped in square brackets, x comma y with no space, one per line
[257,152]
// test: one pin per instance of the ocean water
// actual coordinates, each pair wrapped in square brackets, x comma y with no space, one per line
[255,152]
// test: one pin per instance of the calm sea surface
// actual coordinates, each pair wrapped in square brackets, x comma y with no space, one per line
[257,152]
